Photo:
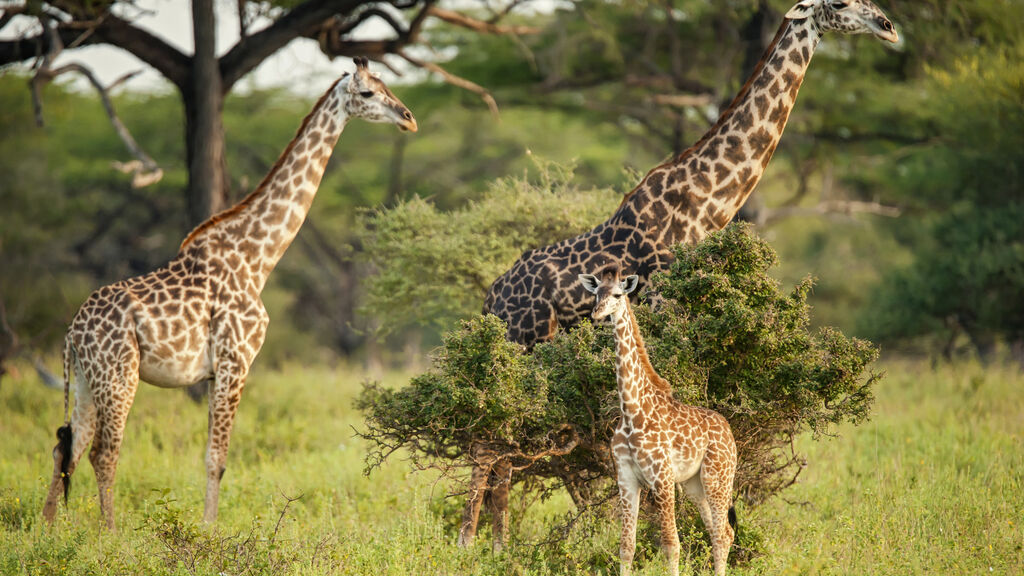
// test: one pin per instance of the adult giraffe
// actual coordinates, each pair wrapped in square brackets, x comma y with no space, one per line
[200,317]
[682,200]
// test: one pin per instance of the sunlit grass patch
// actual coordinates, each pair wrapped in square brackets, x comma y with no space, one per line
[931,484]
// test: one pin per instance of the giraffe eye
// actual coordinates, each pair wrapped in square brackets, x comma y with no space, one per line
[366,94]
[839,4]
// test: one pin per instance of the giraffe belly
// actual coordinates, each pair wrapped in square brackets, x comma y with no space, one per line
[175,362]
[685,466]
[175,371]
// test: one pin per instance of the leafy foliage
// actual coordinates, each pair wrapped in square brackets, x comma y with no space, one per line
[434,267]
[726,337]
[485,390]
[968,267]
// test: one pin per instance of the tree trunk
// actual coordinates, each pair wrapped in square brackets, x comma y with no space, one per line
[203,96]
[204,132]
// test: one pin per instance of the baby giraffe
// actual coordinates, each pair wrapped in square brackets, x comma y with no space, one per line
[660,442]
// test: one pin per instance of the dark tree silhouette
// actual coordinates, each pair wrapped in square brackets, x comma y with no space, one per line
[203,80]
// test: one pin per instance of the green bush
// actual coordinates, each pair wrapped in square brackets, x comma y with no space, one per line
[483,389]
[724,334]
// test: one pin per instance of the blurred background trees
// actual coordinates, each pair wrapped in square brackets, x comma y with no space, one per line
[930,132]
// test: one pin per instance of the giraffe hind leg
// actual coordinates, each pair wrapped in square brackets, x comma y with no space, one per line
[474,499]
[718,486]
[695,492]
[499,483]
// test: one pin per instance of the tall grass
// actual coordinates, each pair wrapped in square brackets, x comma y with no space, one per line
[932,484]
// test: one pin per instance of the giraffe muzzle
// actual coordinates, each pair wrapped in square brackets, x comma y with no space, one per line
[884,30]
[408,123]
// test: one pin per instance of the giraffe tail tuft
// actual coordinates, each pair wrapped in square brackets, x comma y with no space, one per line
[732,517]
[64,448]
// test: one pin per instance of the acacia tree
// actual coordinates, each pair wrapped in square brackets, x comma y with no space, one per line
[203,79]
[726,336]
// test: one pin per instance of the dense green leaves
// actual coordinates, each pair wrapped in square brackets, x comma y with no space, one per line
[967,272]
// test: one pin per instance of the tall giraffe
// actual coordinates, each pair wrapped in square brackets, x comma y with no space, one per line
[660,442]
[682,200]
[200,317]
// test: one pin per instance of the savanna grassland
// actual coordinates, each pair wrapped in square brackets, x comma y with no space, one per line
[933,483]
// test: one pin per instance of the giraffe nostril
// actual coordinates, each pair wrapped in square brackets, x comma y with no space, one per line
[407,115]
[885,24]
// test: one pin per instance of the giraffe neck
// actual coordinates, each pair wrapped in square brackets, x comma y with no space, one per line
[262,226]
[702,189]
[634,374]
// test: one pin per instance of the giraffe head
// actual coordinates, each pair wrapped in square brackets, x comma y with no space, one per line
[365,96]
[846,16]
[611,293]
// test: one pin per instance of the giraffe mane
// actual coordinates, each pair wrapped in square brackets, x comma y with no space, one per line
[645,361]
[232,211]
[722,118]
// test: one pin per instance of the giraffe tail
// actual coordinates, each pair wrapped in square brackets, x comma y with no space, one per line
[64,434]
[732,517]
[64,448]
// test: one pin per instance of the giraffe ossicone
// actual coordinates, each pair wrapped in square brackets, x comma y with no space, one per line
[200,318]
[682,200]
[660,442]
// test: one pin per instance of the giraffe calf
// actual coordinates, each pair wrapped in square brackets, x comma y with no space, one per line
[661,442]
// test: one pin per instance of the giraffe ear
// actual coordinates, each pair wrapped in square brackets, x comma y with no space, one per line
[803,9]
[590,282]
[629,284]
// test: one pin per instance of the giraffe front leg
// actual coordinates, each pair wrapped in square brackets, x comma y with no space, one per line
[225,396]
[664,492]
[106,445]
[629,501]
[629,506]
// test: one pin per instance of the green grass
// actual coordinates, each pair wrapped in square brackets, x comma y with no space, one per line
[932,484]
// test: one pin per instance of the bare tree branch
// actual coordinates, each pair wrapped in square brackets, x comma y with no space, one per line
[366,15]
[484,27]
[243,20]
[332,40]
[455,80]
[305,20]
[772,216]
[108,29]
[144,169]
[9,14]
[682,100]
